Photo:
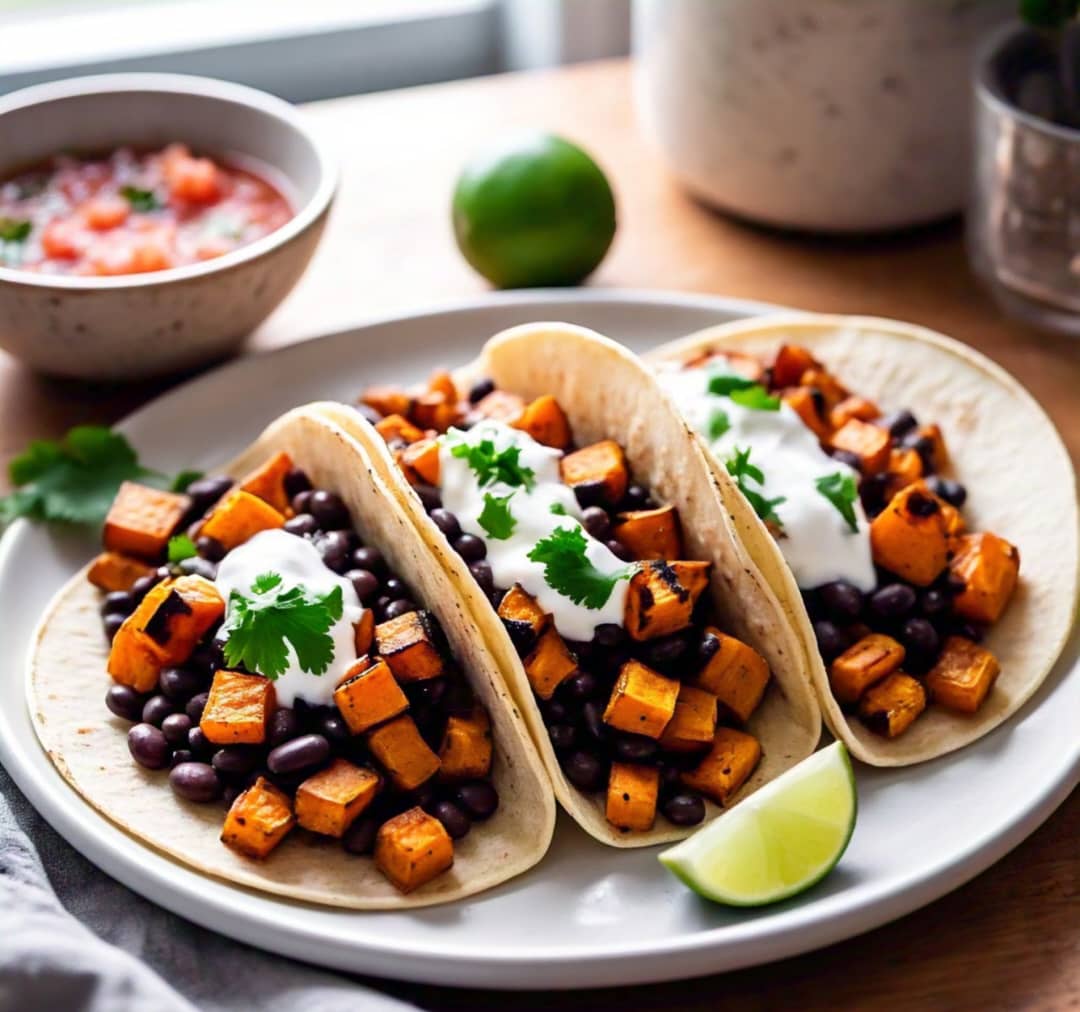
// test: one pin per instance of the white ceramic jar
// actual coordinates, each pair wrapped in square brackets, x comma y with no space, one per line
[827,115]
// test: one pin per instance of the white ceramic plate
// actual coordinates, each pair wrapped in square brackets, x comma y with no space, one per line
[588,915]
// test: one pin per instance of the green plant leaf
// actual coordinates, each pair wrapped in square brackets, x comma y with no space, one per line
[568,570]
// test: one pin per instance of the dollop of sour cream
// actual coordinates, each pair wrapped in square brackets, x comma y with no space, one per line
[298,562]
[817,543]
[463,496]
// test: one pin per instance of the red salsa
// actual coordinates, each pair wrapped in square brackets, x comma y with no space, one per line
[131,212]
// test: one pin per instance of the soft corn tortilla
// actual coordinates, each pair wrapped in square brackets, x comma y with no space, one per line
[88,744]
[608,394]
[1003,448]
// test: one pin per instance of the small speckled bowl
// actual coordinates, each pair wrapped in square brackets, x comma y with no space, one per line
[121,328]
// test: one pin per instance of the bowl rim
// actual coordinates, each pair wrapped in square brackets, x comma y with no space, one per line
[180,84]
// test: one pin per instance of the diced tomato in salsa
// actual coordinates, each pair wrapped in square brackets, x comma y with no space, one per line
[131,212]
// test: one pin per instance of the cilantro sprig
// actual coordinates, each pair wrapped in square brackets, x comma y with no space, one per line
[491,465]
[140,200]
[568,570]
[496,517]
[262,624]
[558,509]
[746,392]
[180,547]
[15,229]
[740,468]
[719,423]
[75,479]
[840,489]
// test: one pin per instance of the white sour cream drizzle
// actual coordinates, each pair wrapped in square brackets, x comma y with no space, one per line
[817,542]
[510,564]
[298,562]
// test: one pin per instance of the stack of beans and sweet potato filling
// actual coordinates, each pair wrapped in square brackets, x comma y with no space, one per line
[650,712]
[399,767]
[914,639]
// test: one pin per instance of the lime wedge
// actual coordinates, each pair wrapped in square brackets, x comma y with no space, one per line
[779,841]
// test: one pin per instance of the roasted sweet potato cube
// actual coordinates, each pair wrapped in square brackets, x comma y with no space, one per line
[545,420]
[434,411]
[662,596]
[238,708]
[870,443]
[113,571]
[600,467]
[388,400]
[826,383]
[268,482]
[792,360]
[853,407]
[441,382]
[549,664]
[330,801]
[650,534]
[963,675]
[401,751]
[239,517]
[142,519]
[524,619]
[989,566]
[890,707]
[258,820]
[465,751]
[905,467]
[369,695]
[862,664]
[409,645]
[500,406]
[398,427]
[939,454]
[642,701]
[631,796]
[412,848]
[726,767]
[134,658]
[177,619]
[802,401]
[693,723]
[422,460]
[364,632]
[735,673]
[908,537]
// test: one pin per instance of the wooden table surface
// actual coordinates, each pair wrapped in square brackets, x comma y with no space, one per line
[1010,938]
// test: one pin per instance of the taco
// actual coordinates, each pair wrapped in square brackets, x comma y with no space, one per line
[289,656]
[580,522]
[910,503]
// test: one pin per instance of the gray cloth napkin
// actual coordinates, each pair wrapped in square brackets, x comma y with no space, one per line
[73,940]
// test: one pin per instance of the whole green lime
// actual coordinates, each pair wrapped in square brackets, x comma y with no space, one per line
[533,210]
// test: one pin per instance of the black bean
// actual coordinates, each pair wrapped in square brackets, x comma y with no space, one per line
[585,771]
[196,705]
[175,727]
[934,601]
[382,602]
[209,548]
[207,657]
[635,748]
[333,727]
[335,549]
[584,685]
[181,755]
[480,389]
[430,497]
[920,637]
[609,635]
[563,736]
[830,639]
[157,708]
[894,600]
[328,509]
[684,809]
[111,625]
[968,631]
[666,650]
[365,583]
[195,781]
[670,778]
[872,491]
[593,715]
[707,649]
[922,445]
[118,602]
[143,585]
[847,457]
[951,491]
[206,491]
[395,588]
[636,497]
[898,423]
[482,574]
[298,754]
[196,566]
[554,711]
[235,761]
[596,521]
[478,799]
[620,551]
[470,548]
[369,558]
[148,746]
[590,493]
[231,792]
[302,525]
[125,702]
[454,820]
[920,505]
[842,600]
[446,522]
[296,481]
[359,838]
[181,684]
[395,609]
[200,745]
[283,726]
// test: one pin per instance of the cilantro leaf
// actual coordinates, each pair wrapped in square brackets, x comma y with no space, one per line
[181,547]
[15,229]
[490,465]
[568,570]
[183,479]
[496,517]
[140,200]
[722,384]
[740,468]
[73,480]
[262,625]
[840,489]
[558,509]
[756,398]
[719,423]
